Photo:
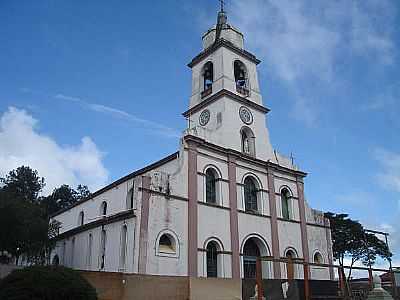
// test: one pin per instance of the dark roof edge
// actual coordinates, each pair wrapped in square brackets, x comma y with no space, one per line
[103,221]
[229,94]
[227,44]
[121,180]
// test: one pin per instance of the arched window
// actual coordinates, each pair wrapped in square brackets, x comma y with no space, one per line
[248,141]
[212,259]
[318,259]
[81,218]
[250,254]
[211,186]
[208,78]
[241,78]
[103,208]
[124,237]
[129,198]
[167,244]
[286,207]
[103,241]
[89,254]
[250,194]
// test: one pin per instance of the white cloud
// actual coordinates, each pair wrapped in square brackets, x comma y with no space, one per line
[22,144]
[389,177]
[305,42]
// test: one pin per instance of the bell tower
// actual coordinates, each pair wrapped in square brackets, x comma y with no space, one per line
[226,106]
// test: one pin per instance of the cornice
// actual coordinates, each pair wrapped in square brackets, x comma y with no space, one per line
[223,43]
[229,94]
[100,222]
[243,157]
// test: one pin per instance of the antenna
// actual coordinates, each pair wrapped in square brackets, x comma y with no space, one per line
[222,2]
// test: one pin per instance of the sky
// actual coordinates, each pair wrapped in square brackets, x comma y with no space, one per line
[92,90]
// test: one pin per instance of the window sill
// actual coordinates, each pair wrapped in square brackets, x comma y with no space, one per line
[167,254]
[213,205]
[253,213]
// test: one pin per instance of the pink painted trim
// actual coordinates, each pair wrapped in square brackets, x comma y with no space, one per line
[192,210]
[303,222]
[234,227]
[274,224]
[144,224]
[329,250]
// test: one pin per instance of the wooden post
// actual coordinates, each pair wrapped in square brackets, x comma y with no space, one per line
[370,279]
[259,279]
[393,279]
[290,269]
[306,282]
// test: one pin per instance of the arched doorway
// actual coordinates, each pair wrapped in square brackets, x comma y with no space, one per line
[250,254]
[290,266]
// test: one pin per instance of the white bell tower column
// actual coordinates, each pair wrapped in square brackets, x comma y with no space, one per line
[226,106]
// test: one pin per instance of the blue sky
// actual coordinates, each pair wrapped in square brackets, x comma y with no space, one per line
[90,91]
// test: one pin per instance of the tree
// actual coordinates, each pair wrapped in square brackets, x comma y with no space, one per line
[63,197]
[23,183]
[350,240]
[82,192]
[23,227]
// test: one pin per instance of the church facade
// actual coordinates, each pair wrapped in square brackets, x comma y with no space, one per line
[210,209]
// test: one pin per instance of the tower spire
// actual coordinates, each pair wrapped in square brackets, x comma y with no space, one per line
[221,21]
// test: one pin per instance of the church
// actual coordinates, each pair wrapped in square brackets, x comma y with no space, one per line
[210,209]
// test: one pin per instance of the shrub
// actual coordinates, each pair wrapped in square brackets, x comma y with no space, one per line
[46,283]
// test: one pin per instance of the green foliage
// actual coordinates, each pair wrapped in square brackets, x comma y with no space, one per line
[46,283]
[23,183]
[63,197]
[22,226]
[352,241]
[24,215]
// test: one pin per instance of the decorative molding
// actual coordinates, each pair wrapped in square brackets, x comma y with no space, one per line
[192,209]
[225,93]
[288,220]
[233,217]
[274,221]
[318,225]
[303,224]
[223,43]
[240,156]
[144,224]
[253,213]
[154,192]
[213,205]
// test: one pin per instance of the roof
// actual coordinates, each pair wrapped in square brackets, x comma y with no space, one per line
[227,44]
[121,180]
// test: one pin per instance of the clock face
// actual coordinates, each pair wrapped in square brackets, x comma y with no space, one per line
[204,117]
[245,115]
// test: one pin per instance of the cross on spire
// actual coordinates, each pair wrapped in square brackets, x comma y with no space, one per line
[222,2]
